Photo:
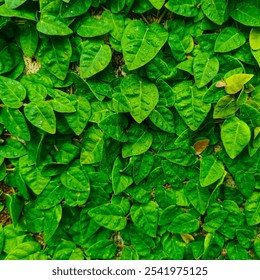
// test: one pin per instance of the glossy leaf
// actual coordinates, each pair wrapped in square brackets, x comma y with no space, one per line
[252,209]
[225,107]
[24,251]
[254,40]
[41,115]
[187,8]
[52,219]
[109,216]
[92,27]
[184,223]
[163,118]
[189,104]
[229,39]
[204,69]
[94,58]
[215,10]
[139,43]
[235,135]
[236,82]
[246,14]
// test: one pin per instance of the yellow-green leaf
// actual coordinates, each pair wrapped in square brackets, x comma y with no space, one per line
[236,82]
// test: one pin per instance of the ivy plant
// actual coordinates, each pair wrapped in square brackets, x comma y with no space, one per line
[129,129]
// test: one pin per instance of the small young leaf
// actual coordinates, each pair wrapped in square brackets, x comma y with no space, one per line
[236,82]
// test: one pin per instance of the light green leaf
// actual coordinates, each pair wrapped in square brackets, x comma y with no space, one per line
[78,120]
[12,93]
[117,23]
[252,209]
[15,123]
[139,141]
[62,104]
[93,143]
[120,181]
[197,196]
[41,115]
[67,250]
[184,223]
[215,10]
[229,39]
[52,219]
[13,4]
[236,252]
[145,217]
[158,4]
[25,13]
[115,126]
[236,82]
[211,169]
[141,43]
[74,179]
[163,119]
[189,104]
[109,216]
[235,135]
[254,39]
[93,27]
[226,107]
[54,54]
[94,58]
[52,25]
[24,251]
[14,204]
[205,69]
[246,14]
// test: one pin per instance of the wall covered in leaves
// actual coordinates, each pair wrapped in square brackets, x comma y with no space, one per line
[129,129]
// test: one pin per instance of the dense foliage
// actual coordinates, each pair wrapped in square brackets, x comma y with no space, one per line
[129,129]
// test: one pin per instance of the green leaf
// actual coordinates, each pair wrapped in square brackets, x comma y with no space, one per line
[51,25]
[257,247]
[174,248]
[184,223]
[211,169]
[225,107]
[141,43]
[158,4]
[24,13]
[52,219]
[14,205]
[145,217]
[116,22]
[236,252]
[93,143]
[52,195]
[75,8]
[25,251]
[102,250]
[41,115]
[32,175]
[12,93]
[15,123]
[205,69]
[246,14]
[163,119]
[93,27]
[215,10]
[254,40]
[252,209]
[109,216]
[62,104]
[235,135]
[186,8]
[139,141]
[140,95]
[197,196]
[12,149]
[54,54]
[115,127]
[189,104]
[236,82]
[142,166]
[68,250]
[78,120]
[13,4]
[74,179]
[214,220]
[94,58]
[120,181]
[28,38]
[229,39]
